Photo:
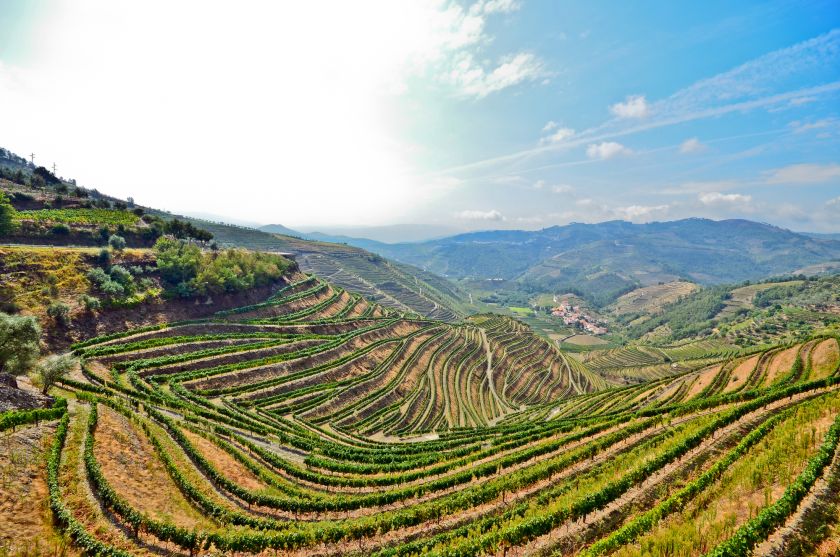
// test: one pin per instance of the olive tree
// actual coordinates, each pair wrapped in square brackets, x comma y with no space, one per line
[19,348]
[53,368]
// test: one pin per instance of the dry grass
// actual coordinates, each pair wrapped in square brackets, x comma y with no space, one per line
[129,463]
[740,374]
[780,365]
[704,378]
[824,359]
[26,528]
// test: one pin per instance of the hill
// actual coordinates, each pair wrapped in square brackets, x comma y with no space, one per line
[53,211]
[396,285]
[778,310]
[316,423]
[603,261]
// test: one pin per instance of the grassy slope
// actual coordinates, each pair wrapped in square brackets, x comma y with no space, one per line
[392,284]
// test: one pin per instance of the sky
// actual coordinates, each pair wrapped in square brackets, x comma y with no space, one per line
[458,115]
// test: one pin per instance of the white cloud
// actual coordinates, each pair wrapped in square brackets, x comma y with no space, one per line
[714,198]
[804,174]
[562,134]
[471,79]
[550,125]
[495,6]
[606,150]
[640,212]
[634,106]
[471,214]
[692,145]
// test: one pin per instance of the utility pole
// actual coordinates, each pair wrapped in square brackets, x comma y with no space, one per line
[54,174]
[32,158]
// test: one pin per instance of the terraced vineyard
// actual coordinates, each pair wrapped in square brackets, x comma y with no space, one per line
[320,423]
[388,283]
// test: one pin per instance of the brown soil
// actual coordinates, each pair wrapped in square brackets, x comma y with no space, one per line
[824,359]
[704,379]
[131,466]
[26,528]
[780,365]
[740,374]
[225,463]
[159,311]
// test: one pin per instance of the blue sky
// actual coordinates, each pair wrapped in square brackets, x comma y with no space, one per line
[490,114]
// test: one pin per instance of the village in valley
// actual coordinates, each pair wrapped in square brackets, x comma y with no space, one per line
[575,316]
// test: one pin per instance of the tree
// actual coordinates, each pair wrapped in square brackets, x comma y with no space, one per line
[53,368]
[7,213]
[116,242]
[177,261]
[19,346]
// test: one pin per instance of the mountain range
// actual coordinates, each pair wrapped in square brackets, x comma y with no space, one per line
[606,259]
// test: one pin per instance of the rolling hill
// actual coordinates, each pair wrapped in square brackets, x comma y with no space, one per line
[318,423]
[608,259]
[399,286]
[60,213]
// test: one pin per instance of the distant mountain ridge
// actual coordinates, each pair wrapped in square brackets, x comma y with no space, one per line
[608,258]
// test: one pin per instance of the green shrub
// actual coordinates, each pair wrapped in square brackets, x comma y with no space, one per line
[7,214]
[59,313]
[116,242]
[60,229]
[90,303]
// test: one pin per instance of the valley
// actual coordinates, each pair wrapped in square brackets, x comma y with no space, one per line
[232,391]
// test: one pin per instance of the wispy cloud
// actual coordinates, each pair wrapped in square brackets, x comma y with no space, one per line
[495,6]
[562,134]
[804,174]
[692,145]
[472,79]
[758,84]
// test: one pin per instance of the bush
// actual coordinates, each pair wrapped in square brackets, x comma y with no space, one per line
[122,276]
[104,258]
[60,229]
[116,242]
[59,313]
[7,213]
[116,284]
[177,261]
[19,347]
[90,303]
[188,271]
